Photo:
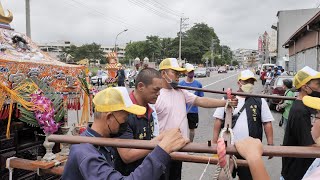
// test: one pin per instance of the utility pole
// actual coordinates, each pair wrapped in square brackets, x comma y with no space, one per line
[183,25]
[28,28]
[213,43]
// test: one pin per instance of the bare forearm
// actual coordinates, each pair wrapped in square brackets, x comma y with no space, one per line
[209,102]
[131,155]
[268,131]
[216,130]
[257,169]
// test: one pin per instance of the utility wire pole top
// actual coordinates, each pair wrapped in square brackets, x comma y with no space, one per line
[183,25]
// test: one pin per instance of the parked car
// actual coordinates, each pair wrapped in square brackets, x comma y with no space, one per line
[222,70]
[201,72]
[94,79]
[277,90]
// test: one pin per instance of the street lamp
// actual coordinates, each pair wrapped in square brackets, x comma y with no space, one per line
[115,43]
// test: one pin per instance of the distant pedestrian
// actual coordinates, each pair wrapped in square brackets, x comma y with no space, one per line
[284,73]
[286,104]
[99,74]
[262,77]
[120,75]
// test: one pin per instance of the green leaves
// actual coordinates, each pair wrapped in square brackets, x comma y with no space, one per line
[89,51]
[196,44]
[29,117]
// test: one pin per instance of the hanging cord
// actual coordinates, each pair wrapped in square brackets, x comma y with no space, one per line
[223,163]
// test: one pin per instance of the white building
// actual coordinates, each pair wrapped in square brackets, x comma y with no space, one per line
[243,55]
[55,48]
[288,23]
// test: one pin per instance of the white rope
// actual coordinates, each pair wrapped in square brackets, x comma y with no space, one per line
[205,169]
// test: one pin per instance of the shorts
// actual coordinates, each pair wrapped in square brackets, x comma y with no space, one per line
[193,120]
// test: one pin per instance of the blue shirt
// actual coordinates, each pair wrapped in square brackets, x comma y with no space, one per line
[196,84]
[87,161]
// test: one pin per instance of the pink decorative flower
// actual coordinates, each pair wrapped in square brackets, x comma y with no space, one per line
[46,118]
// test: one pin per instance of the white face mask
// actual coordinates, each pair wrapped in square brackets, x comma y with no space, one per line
[247,88]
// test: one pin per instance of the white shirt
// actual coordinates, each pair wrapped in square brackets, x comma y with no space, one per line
[314,170]
[269,76]
[240,130]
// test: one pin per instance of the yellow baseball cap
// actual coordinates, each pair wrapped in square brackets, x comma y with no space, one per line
[170,63]
[189,67]
[304,76]
[312,102]
[245,75]
[116,99]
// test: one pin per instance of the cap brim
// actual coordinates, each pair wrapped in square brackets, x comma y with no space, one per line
[189,70]
[316,76]
[179,69]
[246,78]
[312,102]
[135,109]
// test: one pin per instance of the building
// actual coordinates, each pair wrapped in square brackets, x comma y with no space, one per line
[55,49]
[288,22]
[303,45]
[247,57]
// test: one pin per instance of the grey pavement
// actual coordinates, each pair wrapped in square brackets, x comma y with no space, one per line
[204,132]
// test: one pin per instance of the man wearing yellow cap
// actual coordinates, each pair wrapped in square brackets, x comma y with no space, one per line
[170,105]
[88,161]
[249,119]
[297,132]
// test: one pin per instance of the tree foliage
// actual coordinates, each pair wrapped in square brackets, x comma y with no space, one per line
[92,52]
[198,43]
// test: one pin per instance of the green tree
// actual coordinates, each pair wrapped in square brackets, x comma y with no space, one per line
[92,52]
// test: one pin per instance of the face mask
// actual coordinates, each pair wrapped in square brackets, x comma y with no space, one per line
[169,81]
[190,75]
[269,69]
[247,88]
[122,128]
[314,93]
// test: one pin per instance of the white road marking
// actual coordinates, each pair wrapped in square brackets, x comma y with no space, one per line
[220,80]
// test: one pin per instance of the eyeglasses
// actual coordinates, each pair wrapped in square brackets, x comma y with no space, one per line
[314,118]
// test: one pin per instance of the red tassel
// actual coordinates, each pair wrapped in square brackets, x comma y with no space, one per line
[79,105]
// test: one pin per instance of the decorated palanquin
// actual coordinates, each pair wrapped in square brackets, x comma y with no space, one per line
[112,68]
[36,91]
[20,58]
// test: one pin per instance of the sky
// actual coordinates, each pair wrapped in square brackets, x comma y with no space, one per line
[238,23]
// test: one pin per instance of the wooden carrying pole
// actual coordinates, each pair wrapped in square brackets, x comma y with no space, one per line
[235,93]
[276,151]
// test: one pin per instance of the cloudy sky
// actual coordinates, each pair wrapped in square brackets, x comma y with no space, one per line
[238,23]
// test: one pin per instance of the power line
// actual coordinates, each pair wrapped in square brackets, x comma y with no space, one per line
[108,18]
[163,7]
[153,10]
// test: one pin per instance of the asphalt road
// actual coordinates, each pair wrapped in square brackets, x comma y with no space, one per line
[192,171]
[204,132]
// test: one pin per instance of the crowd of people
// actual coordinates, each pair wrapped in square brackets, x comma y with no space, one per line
[156,111]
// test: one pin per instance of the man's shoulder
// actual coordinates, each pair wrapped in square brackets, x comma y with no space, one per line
[81,151]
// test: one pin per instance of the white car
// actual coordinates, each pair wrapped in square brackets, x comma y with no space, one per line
[94,79]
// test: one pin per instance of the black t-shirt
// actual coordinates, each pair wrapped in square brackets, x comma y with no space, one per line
[138,128]
[298,133]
